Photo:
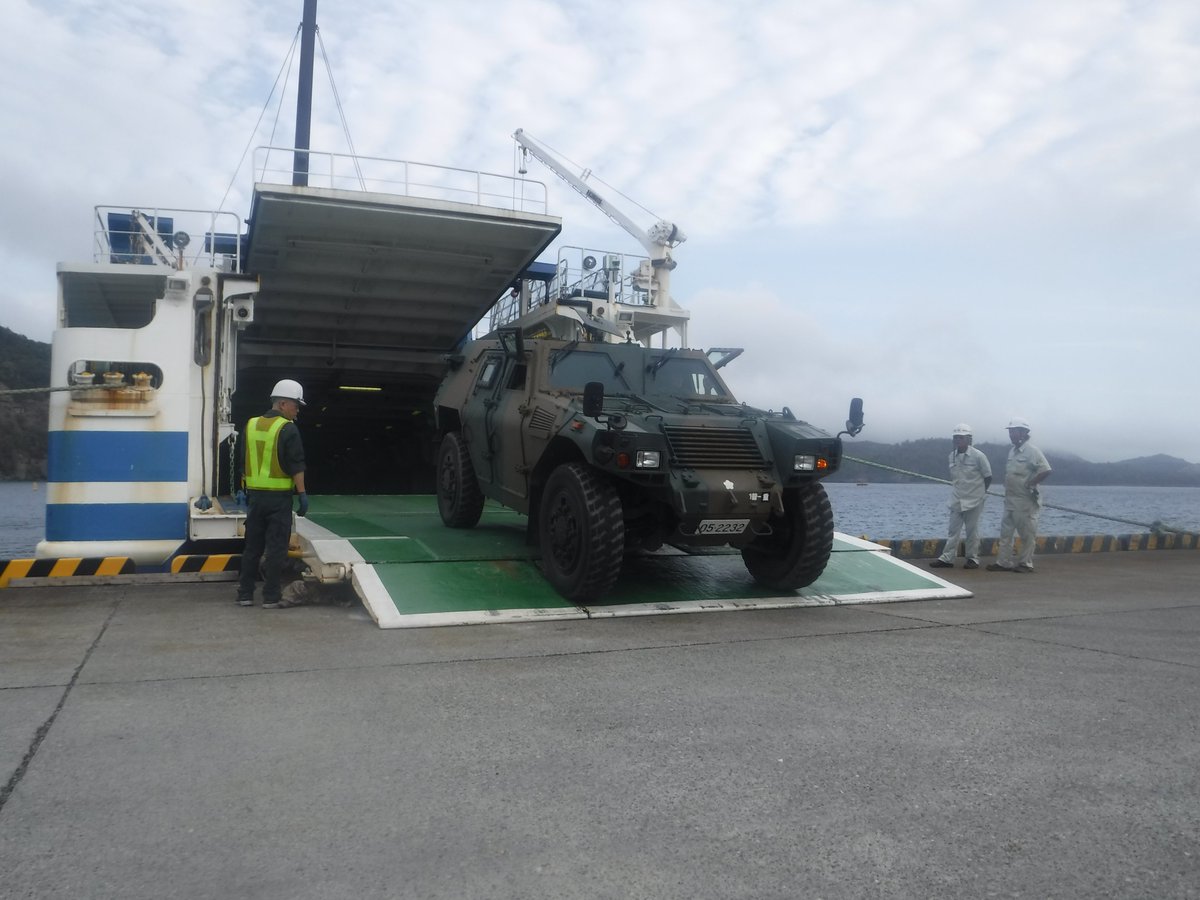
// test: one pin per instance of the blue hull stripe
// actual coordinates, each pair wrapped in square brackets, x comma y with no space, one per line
[117,456]
[116,521]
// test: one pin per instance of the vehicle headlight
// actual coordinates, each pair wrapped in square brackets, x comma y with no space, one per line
[648,459]
[809,463]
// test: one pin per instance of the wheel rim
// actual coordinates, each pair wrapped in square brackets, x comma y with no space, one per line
[448,482]
[565,535]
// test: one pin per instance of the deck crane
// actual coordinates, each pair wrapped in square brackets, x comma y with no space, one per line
[660,313]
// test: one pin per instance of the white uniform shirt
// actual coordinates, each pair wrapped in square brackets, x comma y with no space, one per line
[1024,462]
[967,473]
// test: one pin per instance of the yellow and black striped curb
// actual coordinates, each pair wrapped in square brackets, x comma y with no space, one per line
[64,568]
[110,566]
[1080,543]
[216,562]
[187,564]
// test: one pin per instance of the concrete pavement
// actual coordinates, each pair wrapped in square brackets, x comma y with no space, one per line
[1039,740]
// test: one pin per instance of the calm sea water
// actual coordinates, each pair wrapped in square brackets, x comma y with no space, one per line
[899,511]
[22,517]
[883,511]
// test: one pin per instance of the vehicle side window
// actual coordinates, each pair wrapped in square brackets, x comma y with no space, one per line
[516,378]
[489,373]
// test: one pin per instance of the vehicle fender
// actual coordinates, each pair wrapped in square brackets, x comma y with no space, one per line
[560,451]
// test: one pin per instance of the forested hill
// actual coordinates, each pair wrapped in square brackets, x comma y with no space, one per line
[929,457]
[23,417]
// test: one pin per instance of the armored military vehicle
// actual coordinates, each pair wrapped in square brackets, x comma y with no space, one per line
[612,448]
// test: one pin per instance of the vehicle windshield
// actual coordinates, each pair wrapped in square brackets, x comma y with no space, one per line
[572,372]
[686,377]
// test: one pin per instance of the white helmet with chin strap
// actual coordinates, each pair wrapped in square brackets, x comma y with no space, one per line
[289,390]
[961,429]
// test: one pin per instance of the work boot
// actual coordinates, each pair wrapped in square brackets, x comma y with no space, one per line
[272,604]
[1024,570]
[245,601]
[971,564]
[941,564]
[996,567]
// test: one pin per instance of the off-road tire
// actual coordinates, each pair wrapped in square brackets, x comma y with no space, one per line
[460,501]
[581,533]
[796,553]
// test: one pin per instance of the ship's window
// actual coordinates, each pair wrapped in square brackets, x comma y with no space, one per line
[110,300]
[114,373]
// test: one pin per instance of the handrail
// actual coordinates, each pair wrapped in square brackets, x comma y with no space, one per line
[133,246]
[375,174]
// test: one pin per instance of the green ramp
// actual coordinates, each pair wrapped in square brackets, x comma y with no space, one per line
[412,571]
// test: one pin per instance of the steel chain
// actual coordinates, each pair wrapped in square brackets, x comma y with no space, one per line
[233,463]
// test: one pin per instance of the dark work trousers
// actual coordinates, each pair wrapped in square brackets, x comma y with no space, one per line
[268,528]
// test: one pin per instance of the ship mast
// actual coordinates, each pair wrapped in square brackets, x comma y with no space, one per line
[308,35]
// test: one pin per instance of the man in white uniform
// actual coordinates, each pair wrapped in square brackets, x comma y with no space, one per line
[970,476]
[1027,468]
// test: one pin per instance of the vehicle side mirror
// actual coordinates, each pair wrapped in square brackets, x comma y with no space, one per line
[593,399]
[854,424]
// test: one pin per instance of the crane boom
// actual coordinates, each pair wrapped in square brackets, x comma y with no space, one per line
[658,239]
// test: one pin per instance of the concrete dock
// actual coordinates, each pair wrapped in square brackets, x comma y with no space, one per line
[1041,739]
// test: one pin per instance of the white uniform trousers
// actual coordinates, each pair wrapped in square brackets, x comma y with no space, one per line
[1020,517]
[958,521]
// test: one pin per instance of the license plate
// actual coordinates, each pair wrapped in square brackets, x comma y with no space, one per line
[722,526]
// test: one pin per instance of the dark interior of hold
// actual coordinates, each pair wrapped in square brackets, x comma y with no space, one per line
[355,442]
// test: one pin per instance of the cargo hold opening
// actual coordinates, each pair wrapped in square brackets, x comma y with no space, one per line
[355,441]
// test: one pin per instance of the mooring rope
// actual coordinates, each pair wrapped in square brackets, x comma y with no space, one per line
[38,390]
[1157,526]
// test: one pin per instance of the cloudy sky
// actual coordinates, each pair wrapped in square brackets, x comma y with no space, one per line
[959,210]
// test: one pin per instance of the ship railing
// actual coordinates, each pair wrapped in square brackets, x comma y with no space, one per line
[371,174]
[173,237]
[581,275]
[595,275]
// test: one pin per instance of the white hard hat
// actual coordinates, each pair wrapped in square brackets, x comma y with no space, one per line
[289,390]
[1018,422]
[962,428]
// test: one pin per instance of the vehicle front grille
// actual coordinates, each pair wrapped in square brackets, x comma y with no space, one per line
[713,448]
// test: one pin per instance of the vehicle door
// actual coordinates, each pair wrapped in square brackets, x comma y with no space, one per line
[478,416]
[506,427]
[493,419]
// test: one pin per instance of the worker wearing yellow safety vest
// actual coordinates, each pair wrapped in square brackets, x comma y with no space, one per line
[274,469]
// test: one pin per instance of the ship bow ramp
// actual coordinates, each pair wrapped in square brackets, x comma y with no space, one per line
[360,298]
[411,571]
